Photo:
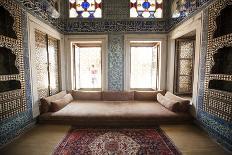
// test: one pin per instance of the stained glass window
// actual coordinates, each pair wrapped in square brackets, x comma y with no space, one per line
[182,8]
[146,8]
[85,8]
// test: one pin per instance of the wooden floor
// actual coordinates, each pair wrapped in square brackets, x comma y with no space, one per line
[42,140]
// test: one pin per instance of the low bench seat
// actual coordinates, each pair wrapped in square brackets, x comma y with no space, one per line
[100,112]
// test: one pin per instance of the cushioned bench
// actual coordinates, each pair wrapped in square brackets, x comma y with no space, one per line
[112,108]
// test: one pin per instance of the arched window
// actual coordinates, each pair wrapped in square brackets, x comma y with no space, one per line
[85,8]
[146,8]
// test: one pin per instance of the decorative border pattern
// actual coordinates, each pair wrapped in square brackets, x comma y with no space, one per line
[73,26]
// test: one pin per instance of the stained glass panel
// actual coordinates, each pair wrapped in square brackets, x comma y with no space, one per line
[146,8]
[85,8]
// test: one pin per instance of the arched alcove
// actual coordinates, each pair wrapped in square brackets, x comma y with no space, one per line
[7,62]
[221,85]
[223,61]
[6,24]
[224,22]
[9,85]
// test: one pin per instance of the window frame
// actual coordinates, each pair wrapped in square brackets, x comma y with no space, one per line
[70,65]
[162,15]
[162,38]
[151,44]
[85,18]
[81,45]
[177,67]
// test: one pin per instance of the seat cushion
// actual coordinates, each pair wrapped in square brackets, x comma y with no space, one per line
[46,102]
[184,104]
[146,95]
[171,105]
[117,96]
[61,103]
[87,95]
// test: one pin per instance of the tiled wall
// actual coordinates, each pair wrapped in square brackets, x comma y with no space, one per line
[13,126]
[116,62]
[217,127]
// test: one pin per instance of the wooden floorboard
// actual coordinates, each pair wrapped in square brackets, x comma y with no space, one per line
[42,139]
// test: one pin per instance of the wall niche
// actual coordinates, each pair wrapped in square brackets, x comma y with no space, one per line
[224,22]
[9,85]
[218,67]
[12,77]
[6,24]
[221,85]
[7,62]
[222,61]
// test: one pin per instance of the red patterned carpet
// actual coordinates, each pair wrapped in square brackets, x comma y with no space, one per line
[116,142]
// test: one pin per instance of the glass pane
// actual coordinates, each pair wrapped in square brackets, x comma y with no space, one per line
[141,67]
[146,8]
[90,67]
[85,8]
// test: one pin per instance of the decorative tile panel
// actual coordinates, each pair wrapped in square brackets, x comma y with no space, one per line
[213,45]
[214,107]
[12,106]
[118,9]
[73,26]
[18,102]
[115,62]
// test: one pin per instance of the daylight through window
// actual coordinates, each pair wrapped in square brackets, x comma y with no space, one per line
[144,67]
[85,8]
[87,67]
[146,8]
